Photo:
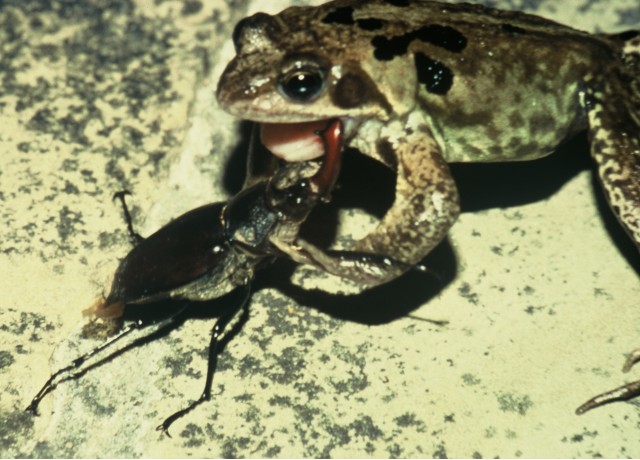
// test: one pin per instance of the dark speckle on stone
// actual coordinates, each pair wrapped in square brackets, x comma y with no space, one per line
[466,292]
[366,428]
[69,222]
[395,451]
[15,426]
[409,419]
[234,446]
[193,435]
[513,403]
[191,7]
[6,359]
[28,321]
[440,452]
[69,165]
[180,365]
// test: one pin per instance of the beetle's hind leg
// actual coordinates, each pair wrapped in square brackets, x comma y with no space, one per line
[622,393]
[135,236]
[216,345]
[54,381]
[74,369]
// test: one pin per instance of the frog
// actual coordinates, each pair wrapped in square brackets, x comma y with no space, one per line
[418,85]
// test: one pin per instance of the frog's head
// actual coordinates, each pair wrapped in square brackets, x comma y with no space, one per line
[294,71]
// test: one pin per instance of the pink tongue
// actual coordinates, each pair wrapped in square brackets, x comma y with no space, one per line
[293,141]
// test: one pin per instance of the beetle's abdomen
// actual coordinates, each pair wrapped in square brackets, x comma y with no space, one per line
[178,253]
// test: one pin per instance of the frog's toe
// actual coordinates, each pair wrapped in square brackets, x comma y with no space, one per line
[622,393]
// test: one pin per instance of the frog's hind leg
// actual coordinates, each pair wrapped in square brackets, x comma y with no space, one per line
[613,110]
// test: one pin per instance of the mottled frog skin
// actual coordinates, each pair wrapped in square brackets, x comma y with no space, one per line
[420,84]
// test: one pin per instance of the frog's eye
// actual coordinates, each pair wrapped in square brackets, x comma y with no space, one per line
[303,83]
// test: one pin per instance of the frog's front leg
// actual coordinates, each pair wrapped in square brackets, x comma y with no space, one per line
[425,206]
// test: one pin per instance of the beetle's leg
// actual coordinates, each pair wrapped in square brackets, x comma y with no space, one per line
[622,393]
[51,384]
[216,345]
[135,236]
[59,376]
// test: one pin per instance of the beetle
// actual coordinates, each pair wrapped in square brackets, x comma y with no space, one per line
[211,251]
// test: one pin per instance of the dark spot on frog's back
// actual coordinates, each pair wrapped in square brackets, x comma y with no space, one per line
[385,49]
[434,75]
[448,38]
[370,24]
[400,3]
[444,37]
[513,30]
[343,15]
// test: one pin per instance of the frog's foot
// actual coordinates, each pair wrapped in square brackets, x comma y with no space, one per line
[365,269]
[622,393]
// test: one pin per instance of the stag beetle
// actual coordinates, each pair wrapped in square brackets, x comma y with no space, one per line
[211,251]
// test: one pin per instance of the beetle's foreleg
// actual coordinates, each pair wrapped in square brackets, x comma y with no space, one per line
[135,236]
[622,393]
[216,345]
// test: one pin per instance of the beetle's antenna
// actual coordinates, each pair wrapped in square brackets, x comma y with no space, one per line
[54,381]
[216,345]
[135,236]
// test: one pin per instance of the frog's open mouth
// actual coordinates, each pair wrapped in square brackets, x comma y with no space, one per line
[294,141]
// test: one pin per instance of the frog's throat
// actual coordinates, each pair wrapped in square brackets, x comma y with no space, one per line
[294,141]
